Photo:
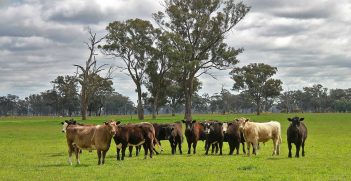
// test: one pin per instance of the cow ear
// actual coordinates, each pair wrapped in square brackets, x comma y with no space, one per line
[230,124]
[236,120]
[106,123]
[220,123]
[290,119]
[118,122]
[183,121]
[62,123]
[301,119]
[194,121]
[246,120]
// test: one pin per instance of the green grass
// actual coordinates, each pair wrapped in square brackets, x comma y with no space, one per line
[33,148]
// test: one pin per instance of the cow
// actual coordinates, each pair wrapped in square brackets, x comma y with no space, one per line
[214,135]
[135,135]
[261,132]
[233,136]
[297,134]
[171,132]
[90,137]
[194,131]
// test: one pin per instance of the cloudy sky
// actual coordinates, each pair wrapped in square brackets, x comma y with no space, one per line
[308,41]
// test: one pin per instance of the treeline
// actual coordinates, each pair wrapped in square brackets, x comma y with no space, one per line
[57,103]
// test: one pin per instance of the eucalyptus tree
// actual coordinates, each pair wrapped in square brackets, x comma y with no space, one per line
[255,80]
[130,42]
[197,30]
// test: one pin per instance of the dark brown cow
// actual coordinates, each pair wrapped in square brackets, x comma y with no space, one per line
[194,131]
[297,134]
[233,136]
[90,138]
[135,135]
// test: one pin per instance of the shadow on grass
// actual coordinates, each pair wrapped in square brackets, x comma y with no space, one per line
[277,158]
[63,165]
[54,154]
[247,168]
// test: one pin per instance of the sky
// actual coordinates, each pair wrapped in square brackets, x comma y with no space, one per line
[308,41]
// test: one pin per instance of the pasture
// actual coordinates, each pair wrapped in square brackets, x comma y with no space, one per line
[34,148]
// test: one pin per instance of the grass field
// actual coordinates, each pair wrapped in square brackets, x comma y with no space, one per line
[34,148]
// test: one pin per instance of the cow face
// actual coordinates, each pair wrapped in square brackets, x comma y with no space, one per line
[189,124]
[295,121]
[166,132]
[242,123]
[207,127]
[225,127]
[113,126]
[64,126]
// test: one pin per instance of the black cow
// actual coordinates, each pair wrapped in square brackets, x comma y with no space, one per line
[172,132]
[297,134]
[214,135]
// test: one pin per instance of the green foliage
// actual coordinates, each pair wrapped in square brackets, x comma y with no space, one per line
[34,148]
[255,80]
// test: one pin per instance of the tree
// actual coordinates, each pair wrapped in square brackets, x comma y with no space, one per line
[131,42]
[255,80]
[158,77]
[67,88]
[197,31]
[88,73]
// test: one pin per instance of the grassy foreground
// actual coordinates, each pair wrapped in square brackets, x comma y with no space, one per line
[33,148]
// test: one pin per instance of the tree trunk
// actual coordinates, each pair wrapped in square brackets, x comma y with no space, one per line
[84,101]
[140,104]
[258,107]
[154,107]
[188,96]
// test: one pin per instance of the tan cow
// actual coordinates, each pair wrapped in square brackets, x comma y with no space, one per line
[261,132]
[90,137]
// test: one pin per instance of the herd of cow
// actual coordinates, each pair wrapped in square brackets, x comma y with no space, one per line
[214,133]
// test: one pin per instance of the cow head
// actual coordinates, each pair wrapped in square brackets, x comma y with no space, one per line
[210,126]
[189,124]
[112,125]
[166,131]
[295,121]
[206,126]
[66,123]
[242,122]
[225,127]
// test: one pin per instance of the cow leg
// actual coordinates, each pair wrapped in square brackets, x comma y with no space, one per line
[213,148]
[103,156]
[145,150]
[303,148]
[220,147]
[118,150]
[99,156]
[231,147]
[189,146]
[151,147]
[275,144]
[207,147]
[70,152]
[194,147]
[254,147]
[76,150]
[124,147]
[248,144]
[130,151]
[180,146]
[237,147]
[289,147]
[243,144]
[297,155]
[216,148]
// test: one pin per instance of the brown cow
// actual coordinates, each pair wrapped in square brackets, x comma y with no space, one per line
[171,132]
[233,136]
[194,131]
[135,135]
[90,138]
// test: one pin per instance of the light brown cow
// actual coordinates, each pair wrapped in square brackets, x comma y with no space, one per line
[90,137]
[261,132]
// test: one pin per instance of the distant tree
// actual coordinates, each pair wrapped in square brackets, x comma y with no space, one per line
[131,43]
[116,103]
[67,88]
[87,74]
[197,32]
[103,87]
[255,80]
